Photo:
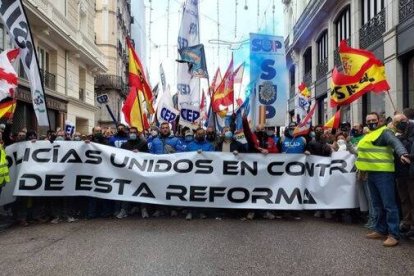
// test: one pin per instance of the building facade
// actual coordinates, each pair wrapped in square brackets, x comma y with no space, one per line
[68,60]
[112,26]
[138,31]
[313,31]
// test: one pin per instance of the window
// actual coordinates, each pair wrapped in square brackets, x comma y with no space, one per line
[343,25]
[322,46]
[307,59]
[1,38]
[292,75]
[370,8]
[43,57]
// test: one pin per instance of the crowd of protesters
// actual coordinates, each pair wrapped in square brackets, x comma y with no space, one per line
[385,177]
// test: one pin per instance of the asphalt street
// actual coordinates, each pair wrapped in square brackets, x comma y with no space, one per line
[169,246]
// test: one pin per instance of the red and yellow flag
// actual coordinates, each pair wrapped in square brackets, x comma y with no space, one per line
[346,89]
[133,112]
[137,77]
[334,121]
[304,126]
[304,90]
[354,61]
[7,108]
[224,94]
[363,73]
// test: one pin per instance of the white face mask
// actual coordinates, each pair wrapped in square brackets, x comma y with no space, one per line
[341,142]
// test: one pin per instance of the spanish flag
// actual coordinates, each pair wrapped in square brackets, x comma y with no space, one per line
[334,121]
[354,61]
[363,73]
[346,89]
[137,77]
[133,111]
[7,108]
[304,90]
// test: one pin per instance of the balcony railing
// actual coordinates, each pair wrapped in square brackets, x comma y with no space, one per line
[322,69]
[104,82]
[81,94]
[372,30]
[406,10]
[307,78]
[49,80]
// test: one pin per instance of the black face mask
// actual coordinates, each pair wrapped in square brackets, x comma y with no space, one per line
[355,133]
[122,133]
[199,138]
[318,135]
[210,137]
[372,126]
[402,126]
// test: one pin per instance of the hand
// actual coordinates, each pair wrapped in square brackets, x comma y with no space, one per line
[264,151]
[87,141]
[405,159]
[235,152]
[33,141]
[199,151]
[135,150]
[307,152]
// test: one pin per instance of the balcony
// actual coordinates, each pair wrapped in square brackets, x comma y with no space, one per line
[82,94]
[322,69]
[108,82]
[48,79]
[406,10]
[307,78]
[372,30]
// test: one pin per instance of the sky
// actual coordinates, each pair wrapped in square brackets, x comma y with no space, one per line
[163,31]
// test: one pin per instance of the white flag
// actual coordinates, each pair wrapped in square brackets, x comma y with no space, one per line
[188,87]
[14,18]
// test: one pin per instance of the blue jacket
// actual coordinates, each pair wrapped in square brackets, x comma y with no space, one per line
[197,145]
[117,141]
[183,144]
[161,145]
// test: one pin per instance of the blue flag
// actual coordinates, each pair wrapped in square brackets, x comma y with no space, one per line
[196,60]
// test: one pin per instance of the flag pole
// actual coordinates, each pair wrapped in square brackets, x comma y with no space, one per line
[392,102]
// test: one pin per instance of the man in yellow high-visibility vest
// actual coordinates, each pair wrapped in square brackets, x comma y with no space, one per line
[376,156]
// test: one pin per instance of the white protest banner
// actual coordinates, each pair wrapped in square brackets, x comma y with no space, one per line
[207,179]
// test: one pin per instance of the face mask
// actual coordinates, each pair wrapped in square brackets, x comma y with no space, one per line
[154,133]
[270,133]
[372,126]
[355,133]
[121,132]
[312,134]
[210,137]
[290,132]
[59,138]
[341,142]
[228,135]
[76,138]
[188,138]
[133,136]
[98,135]
[402,126]
[199,138]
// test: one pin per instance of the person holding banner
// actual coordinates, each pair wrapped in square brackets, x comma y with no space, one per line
[375,156]
[97,206]
[165,142]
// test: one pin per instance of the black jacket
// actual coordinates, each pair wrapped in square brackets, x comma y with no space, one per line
[137,144]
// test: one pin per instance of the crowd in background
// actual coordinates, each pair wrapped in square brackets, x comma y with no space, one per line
[264,140]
